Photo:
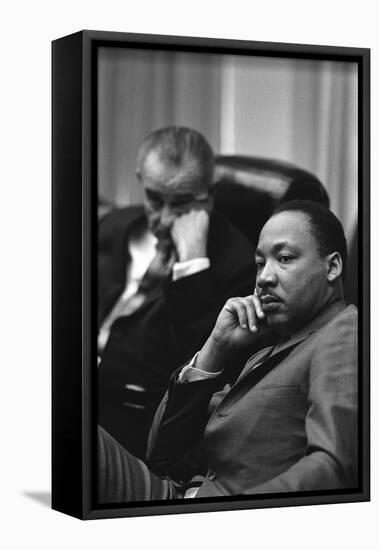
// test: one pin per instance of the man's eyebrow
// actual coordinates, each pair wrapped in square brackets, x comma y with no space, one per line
[280,245]
[175,196]
[151,193]
[277,246]
[180,198]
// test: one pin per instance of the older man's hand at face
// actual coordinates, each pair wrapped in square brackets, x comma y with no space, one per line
[189,233]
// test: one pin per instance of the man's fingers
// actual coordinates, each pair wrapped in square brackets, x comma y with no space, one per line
[251,313]
[258,306]
[248,311]
[244,309]
[240,309]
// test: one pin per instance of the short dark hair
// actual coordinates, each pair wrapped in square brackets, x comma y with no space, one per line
[325,226]
[175,145]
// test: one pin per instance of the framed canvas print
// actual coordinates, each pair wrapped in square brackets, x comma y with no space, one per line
[210,274]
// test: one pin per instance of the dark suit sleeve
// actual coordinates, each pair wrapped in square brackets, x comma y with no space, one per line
[179,424]
[195,301]
[330,460]
[203,291]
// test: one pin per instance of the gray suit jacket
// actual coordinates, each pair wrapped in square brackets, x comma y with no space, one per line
[289,423]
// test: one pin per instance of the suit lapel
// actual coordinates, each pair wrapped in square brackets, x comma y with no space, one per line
[251,376]
[267,361]
[121,255]
[154,294]
[257,367]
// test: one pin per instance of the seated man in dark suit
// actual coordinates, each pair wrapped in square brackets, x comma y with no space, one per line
[165,271]
[289,422]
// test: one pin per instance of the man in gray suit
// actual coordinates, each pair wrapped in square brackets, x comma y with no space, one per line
[289,422]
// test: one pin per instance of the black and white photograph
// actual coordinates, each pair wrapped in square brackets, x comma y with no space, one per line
[189,306]
[228,360]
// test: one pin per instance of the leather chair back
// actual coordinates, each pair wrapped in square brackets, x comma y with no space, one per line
[247,189]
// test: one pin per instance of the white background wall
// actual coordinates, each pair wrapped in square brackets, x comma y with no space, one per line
[27,29]
[301,111]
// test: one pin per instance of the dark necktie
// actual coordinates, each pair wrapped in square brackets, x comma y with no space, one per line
[159,268]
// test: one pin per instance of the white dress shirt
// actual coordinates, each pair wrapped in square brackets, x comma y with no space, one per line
[141,251]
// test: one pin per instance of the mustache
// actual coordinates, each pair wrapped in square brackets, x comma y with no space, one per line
[267,297]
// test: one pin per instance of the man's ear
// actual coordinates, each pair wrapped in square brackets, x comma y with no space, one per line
[334,264]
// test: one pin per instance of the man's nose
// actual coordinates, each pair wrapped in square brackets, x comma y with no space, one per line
[267,276]
[167,216]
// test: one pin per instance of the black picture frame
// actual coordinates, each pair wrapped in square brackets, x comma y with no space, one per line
[74,205]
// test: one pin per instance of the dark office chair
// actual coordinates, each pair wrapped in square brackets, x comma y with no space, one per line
[247,189]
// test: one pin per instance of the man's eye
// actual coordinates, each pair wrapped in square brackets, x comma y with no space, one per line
[154,201]
[179,204]
[285,259]
[259,264]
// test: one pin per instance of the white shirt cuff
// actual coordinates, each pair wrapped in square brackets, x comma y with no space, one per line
[189,373]
[184,269]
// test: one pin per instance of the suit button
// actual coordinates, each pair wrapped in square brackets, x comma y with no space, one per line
[212,476]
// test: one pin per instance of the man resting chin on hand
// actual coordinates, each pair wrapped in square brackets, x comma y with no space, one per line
[289,422]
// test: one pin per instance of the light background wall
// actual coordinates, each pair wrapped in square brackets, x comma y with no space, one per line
[300,111]
[28,28]
[140,91]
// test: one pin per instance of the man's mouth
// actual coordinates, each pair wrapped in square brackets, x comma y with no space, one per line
[269,298]
[270,302]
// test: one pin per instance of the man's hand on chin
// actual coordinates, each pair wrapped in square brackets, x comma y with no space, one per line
[190,235]
[237,326]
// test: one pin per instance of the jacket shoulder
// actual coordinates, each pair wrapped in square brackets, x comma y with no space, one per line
[119,219]
[122,215]
[341,332]
[348,317]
